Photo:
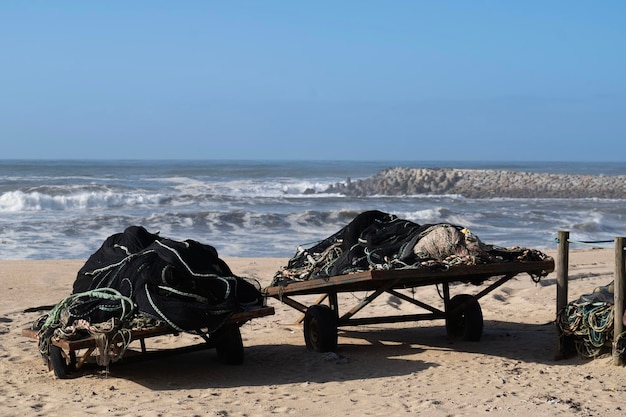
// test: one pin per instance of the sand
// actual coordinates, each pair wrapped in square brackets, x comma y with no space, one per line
[403,369]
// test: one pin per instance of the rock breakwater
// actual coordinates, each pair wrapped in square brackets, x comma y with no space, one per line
[483,184]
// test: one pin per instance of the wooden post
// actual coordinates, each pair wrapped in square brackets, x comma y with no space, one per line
[562,263]
[620,287]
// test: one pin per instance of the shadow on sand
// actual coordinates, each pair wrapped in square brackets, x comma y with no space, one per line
[363,353]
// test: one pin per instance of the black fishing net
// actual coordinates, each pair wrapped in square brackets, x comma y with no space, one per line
[379,240]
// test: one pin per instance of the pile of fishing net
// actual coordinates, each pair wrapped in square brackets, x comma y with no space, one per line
[379,240]
[140,279]
[589,322]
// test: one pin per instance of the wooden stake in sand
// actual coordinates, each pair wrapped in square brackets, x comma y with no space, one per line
[562,261]
[618,324]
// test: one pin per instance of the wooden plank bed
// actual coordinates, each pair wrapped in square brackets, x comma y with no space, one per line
[462,312]
[68,355]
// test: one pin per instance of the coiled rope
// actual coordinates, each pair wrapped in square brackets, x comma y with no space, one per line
[108,335]
[590,322]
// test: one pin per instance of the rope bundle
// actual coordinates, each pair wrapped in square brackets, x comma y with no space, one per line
[589,320]
[112,336]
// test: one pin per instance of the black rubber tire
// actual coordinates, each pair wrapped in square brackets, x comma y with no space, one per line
[320,328]
[466,324]
[229,345]
[59,363]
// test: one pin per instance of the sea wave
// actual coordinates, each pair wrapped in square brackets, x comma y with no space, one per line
[274,233]
[277,187]
[66,210]
[19,201]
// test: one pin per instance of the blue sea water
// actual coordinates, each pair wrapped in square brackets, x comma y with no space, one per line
[65,209]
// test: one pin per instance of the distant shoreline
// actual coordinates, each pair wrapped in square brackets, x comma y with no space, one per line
[484,183]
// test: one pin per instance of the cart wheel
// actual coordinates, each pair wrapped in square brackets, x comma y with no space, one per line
[320,328]
[466,324]
[229,345]
[59,362]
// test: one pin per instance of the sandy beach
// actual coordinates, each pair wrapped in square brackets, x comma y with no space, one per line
[403,369]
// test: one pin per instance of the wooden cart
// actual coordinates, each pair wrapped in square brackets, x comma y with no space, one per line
[68,355]
[462,312]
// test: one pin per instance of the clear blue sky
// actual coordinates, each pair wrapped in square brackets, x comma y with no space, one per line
[373,80]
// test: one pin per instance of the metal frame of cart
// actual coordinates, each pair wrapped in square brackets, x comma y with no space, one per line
[65,356]
[461,312]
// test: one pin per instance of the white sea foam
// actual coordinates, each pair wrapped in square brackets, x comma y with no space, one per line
[18,201]
[250,187]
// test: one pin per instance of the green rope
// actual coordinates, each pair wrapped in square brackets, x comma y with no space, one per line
[590,322]
[49,323]
[54,317]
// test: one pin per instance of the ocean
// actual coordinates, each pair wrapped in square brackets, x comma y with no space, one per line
[52,209]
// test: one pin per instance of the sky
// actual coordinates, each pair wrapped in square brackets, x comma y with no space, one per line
[307,80]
